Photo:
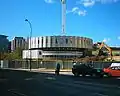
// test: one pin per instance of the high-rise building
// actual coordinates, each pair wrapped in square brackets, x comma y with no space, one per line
[27,43]
[9,47]
[4,43]
[18,42]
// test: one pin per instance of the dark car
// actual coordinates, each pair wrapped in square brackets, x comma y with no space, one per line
[86,69]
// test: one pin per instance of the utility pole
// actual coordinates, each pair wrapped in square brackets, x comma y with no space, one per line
[63,29]
[30,40]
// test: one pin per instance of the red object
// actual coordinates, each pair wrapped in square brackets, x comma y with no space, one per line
[113,71]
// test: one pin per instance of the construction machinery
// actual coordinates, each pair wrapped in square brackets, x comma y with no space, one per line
[101,54]
[103,45]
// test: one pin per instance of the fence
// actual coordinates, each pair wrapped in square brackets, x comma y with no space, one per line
[47,64]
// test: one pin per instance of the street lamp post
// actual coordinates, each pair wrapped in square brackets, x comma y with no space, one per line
[30,40]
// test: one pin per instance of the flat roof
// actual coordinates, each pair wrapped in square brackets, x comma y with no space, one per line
[3,36]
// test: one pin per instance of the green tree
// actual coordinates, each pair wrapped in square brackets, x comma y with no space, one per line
[17,54]
[3,56]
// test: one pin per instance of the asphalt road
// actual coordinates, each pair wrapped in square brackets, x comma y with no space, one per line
[42,84]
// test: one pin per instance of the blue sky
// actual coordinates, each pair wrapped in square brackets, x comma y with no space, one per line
[97,19]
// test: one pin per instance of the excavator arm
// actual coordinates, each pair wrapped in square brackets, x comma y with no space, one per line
[107,47]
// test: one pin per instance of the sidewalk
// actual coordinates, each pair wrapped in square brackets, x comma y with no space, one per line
[43,70]
[52,71]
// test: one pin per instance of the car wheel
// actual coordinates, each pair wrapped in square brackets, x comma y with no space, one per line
[108,75]
[83,75]
[101,76]
[76,74]
[93,74]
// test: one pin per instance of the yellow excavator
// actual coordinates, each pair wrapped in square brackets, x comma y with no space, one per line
[101,55]
[103,45]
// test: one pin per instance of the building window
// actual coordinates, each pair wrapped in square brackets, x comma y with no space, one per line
[40,53]
[66,40]
[56,41]
[42,41]
[38,42]
[46,41]
[50,41]
[15,43]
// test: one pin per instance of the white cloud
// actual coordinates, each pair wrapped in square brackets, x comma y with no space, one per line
[107,1]
[76,10]
[49,1]
[87,3]
[106,40]
[82,13]
[90,3]
[118,37]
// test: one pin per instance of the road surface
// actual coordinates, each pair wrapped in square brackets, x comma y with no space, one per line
[43,84]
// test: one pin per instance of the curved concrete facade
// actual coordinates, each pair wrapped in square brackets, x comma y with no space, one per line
[60,47]
[61,41]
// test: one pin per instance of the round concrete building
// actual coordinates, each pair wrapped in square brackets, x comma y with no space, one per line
[58,47]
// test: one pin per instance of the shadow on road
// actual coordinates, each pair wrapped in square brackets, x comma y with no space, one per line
[34,83]
[17,75]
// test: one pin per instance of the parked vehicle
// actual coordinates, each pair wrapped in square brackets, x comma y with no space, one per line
[86,69]
[113,70]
